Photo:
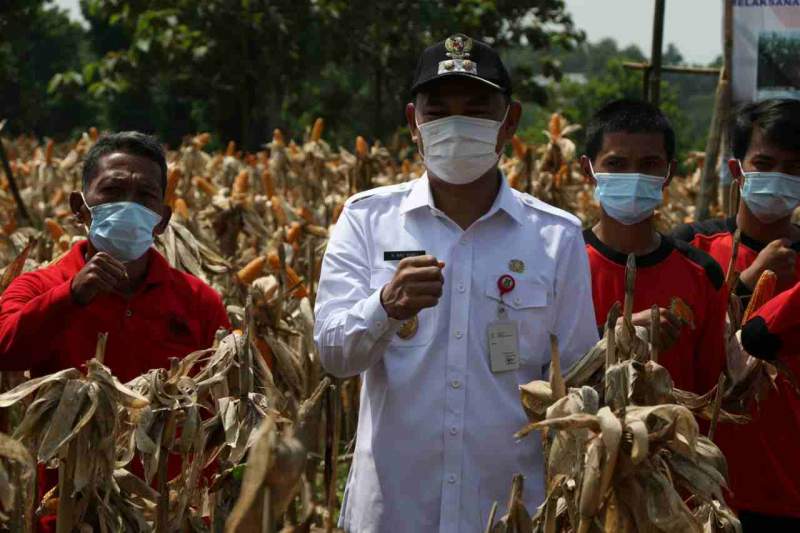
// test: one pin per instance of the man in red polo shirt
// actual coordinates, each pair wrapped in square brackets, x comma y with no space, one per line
[774,331]
[630,148]
[763,459]
[114,282]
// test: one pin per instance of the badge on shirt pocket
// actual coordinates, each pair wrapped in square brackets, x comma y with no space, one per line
[503,338]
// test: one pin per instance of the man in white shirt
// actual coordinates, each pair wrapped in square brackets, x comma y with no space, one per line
[416,279]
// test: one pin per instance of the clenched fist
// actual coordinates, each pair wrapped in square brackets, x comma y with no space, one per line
[778,257]
[416,284]
[101,274]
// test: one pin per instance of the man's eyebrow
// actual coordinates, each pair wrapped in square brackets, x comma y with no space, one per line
[480,99]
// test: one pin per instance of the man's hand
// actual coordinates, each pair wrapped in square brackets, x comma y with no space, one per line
[669,329]
[776,256]
[102,273]
[417,284]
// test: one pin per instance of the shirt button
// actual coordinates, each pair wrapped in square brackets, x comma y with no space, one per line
[451,478]
[454,430]
[455,384]
[379,325]
[517,300]
[460,287]
[128,313]
[463,241]
[459,334]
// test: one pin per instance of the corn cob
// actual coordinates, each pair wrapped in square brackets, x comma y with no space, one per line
[362,148]
[241,184]
[277,210]
[266,182]
[292,279]
[764,291]
[519,147]
[181,209]
[251,270]
[316,131]
[173,177]
[230,151]
[205,185]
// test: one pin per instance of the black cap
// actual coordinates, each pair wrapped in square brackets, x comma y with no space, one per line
[459,55]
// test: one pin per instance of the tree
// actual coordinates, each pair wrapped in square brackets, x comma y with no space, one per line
[243,67]
[38,42]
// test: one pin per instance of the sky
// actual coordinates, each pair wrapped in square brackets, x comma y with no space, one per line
[694,26]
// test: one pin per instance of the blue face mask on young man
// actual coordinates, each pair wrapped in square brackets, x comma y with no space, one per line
[770,196]
[628,198]
[124,230]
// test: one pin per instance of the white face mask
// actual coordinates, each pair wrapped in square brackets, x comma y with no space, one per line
[459,149]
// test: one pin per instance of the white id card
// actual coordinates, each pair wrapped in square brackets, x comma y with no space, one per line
[503,345]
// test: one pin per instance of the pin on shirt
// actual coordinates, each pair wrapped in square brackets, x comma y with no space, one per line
[503,334]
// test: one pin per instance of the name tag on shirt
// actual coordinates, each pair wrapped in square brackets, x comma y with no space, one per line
[503,345]
[401,254]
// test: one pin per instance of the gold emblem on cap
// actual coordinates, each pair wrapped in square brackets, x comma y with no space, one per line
[409,328]
[458,46]
[449,65]
[516,265]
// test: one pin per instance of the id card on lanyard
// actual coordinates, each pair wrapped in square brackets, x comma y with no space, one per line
[503,333]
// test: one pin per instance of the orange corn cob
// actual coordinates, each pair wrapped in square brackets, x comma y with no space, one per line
[292,279]
[242,183]
[265,351]
[277,210]
[362,148]
[336,212]
[266,181]
[317,231]
[173,178]
[206,186]
[555,126]
[519,147]
[10,226]
[515,181]
[294,232]
[181,209]
[93,133]
[764,291]
[316,131]
[48,152]
[55,229]
[251,270]
[405,168]
[305,214]
[231,150]
[201,140]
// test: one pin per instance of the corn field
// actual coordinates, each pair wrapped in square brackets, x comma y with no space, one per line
[262,435]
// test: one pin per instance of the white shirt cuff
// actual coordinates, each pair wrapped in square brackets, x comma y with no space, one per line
[379,324]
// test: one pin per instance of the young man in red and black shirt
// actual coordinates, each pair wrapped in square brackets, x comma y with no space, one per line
[763,458]
[774,331]
[630,150]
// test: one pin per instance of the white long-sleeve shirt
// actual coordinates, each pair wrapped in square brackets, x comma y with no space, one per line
[435,445]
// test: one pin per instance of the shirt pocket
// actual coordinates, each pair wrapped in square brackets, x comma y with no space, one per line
[528,303]
[425,318]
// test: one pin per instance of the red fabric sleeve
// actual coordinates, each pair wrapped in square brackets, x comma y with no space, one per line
[710,355]
[774,331]
[30,318]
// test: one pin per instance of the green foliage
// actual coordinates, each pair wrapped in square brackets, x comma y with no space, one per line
[38,42]
[243,67]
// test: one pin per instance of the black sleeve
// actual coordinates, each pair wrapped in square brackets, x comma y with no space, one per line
[684,232]
[758,341]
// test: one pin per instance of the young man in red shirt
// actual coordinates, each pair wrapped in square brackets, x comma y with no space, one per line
[114,282]
[630,149]
[774,331]
[762,456]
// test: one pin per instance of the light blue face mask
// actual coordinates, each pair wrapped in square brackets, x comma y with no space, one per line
[628,198]
[771,196]
[123,230]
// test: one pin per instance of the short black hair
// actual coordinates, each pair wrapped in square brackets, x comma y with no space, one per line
[629,116]
[777,118]
[128,142]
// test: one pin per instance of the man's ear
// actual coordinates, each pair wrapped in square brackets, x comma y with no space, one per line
[510,125]
[79,208]
[411,118]
[166,215]
[586,167]
[735,167]
[670,173]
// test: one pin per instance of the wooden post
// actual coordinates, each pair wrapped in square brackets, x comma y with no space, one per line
[655,53]
[728,209]
[709,183]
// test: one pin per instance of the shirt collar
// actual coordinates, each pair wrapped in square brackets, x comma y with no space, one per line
[506,200]
[158,269]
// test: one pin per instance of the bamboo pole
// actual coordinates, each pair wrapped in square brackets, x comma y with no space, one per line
[710,180]
[656,52]
[728,207]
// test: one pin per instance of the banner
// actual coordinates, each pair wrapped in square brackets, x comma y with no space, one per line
[766,49]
